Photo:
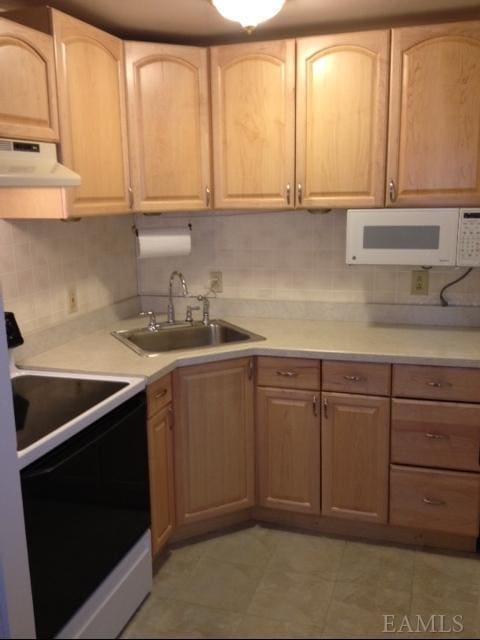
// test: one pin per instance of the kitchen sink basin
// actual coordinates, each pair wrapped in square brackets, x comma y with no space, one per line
[183,336]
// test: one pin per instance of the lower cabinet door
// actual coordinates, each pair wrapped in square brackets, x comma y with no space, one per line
[288,449]
[214,439]
[445,501]
[160,454]
[355,456]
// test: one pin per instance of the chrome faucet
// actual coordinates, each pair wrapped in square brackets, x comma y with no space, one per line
[171,308]
[152,320]
[206,309]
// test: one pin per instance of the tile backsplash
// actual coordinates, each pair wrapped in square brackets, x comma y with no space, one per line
[291,256]
[41,259]
[295,256]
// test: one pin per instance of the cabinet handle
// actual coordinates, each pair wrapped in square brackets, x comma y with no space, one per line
[434,503]
[438,385]
[352,378]
[289,189]
[325,409]
[299,193]
[130,198]
[208,196]
[315,405]
[392,191]
[287,374]
[250,369]
[170,418]
[437,436]
[161,394]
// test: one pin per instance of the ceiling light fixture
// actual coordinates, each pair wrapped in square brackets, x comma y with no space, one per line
[248,12]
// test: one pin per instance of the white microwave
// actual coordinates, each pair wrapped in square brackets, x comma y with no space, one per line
[423,237]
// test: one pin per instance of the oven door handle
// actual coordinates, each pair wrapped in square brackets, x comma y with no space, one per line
[44,471]
[48,470]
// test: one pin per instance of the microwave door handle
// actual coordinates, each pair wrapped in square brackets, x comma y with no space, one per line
[44,471]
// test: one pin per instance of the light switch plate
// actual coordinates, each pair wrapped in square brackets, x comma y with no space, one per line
[216,281]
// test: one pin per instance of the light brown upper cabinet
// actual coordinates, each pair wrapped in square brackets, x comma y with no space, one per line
[28,98]
[169,126]
[91,98]
[434,131]
[342,104]
[253,115]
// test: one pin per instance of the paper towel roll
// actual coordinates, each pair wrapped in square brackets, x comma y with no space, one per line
[160,243]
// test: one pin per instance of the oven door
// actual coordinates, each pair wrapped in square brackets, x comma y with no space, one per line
[86,504]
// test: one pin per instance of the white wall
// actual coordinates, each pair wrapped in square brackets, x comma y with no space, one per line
[15,594]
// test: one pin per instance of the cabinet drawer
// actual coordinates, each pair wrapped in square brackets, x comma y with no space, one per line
[437,500]
[357,377]
[159,394]
[436,434]
[293,373]
[437,383]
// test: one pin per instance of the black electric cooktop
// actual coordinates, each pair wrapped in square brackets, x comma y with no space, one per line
[43,403]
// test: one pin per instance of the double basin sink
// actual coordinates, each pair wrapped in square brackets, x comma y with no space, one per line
[167,337]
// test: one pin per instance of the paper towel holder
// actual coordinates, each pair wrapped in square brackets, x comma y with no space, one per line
[135,228]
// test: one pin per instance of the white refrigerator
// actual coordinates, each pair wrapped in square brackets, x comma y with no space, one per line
[16,608]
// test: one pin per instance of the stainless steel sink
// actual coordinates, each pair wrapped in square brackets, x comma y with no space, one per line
[185,336]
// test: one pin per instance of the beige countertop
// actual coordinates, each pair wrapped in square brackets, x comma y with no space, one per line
[100,352]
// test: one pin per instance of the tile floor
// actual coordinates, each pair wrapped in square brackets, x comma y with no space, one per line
[266,583]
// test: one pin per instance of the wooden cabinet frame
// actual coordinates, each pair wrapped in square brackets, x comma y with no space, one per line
[214,443]
[238,123]
[154,186]
[434,67]
[341,147]
[288,449]
[30,115]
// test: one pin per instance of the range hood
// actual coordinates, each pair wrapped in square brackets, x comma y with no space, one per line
[33,164]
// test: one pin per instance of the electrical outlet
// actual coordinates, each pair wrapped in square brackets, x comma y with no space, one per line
[72,299]
[419,283]
[216,281]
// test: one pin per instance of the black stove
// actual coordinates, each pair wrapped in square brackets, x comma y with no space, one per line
[45,403]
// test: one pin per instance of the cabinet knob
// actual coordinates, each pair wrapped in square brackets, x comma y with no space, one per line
[438,385]
[392,191]
[434,503]
[289,192]
[436,436]
[352,378]
[299,194]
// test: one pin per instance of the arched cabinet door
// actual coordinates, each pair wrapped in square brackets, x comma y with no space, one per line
[342,104]
[91,94]
[253,116]
[169,126]
[434,136]
[28,99]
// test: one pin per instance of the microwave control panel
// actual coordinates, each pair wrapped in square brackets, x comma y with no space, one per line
[468,243]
